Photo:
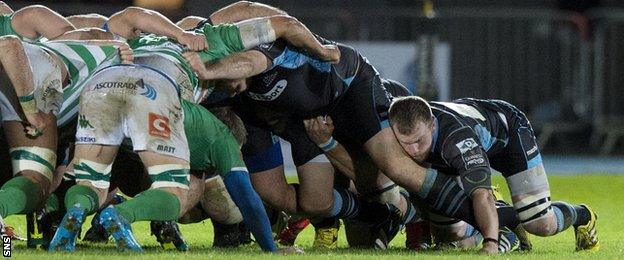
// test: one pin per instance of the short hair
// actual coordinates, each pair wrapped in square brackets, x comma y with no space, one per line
[405,112]
[233,122]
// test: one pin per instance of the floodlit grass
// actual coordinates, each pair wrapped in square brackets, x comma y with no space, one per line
[604,193]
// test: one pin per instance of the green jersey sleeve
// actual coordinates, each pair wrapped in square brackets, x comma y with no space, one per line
[223,40]
[5,25]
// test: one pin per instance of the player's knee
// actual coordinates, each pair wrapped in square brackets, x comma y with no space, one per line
[316,206]
[37,162]
[543,226]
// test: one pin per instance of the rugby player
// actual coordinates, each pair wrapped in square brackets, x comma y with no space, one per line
[467,137]
[315,195]
[32,23]
[40,84]
[161,53]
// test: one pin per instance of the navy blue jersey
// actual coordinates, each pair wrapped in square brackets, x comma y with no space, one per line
[471,132]
[302,84]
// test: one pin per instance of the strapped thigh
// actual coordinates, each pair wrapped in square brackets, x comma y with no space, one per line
[38,159]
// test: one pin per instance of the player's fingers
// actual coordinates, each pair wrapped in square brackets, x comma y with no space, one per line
[328,120]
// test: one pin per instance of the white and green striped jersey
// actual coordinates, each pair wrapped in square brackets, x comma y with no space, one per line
[172,63]
[81,60]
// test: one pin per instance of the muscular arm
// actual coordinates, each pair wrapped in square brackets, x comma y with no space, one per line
[133,20]
[87,20]
[190,22]
[320,132]
[243,10]
[5,8]
[130,22]
[235,66]
[37,20]
[86,34]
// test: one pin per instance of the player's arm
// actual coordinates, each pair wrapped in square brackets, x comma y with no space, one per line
[320,131]
[243,10]
[133,20]
[256,31]
[86,34]
[126,55]
[226,155]
[37,20]
[190,22]
[236,66]
[88,20]
[5,8]
[464,153]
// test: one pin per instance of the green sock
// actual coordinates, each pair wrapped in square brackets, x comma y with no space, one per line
[85,196]
[19,195]
[151,204]
[52,204]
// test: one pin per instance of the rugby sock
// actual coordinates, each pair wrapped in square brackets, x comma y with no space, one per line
[582,215]
[249,203]
[19,195]
[564,214]
[83,196]
[152,204]
[347,206]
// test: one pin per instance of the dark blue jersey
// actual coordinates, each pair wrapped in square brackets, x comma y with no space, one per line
[302,84]
[469,133]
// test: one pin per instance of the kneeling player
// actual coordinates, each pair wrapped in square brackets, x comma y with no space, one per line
[468,136]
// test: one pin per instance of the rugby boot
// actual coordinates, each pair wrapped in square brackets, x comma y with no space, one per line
[586,236]
[65,237]
[507,241]
[120,229]
[168,235]
[327,237]
[225,235]
[96,233]
[388,228]
[244,235]
[289,234]
[280,223]
[41,227]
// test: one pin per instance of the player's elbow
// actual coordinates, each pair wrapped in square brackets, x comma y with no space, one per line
[482,195]
[126,15]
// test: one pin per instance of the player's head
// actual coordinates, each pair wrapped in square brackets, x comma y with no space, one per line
[412,122]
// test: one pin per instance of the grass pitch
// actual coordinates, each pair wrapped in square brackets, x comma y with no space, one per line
[604,193]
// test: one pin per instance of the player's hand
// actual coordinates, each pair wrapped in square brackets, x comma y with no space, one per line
[37,123]
[331,53]
[193,41]
[125,53]
[320,129]
[489,248]
[197,64]
[291,250]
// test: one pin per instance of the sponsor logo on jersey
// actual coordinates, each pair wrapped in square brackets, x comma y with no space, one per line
[471,154]
[165,148]
[84,123]
[120,87]
[148,91]
[466,145]
[159,126]
[85,139]
[272,94]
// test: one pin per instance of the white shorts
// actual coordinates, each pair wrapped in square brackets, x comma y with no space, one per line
[48,90]
[133,101]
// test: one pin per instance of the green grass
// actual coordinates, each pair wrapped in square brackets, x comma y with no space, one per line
[605,193]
